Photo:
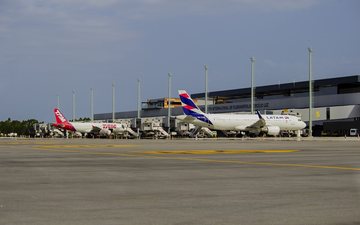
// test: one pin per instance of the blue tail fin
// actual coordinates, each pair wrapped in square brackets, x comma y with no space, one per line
[190,108]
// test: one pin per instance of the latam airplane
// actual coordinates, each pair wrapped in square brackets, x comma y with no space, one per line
[103,129]
[269,124]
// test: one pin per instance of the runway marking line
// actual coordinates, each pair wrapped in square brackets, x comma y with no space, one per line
[204,160]
[213,152]
[273,164]
[84,146]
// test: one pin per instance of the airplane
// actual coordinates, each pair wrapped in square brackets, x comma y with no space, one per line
[80,128]
[251,123]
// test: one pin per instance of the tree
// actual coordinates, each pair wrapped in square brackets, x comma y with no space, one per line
[15,126]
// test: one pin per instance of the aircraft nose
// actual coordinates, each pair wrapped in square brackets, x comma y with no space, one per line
[303,125]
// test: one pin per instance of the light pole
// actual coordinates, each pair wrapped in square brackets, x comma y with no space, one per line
[310,92]
[138,98]
[206,88]
[92,104]
[169,101]
[58,101]
[252,59]
[73,101]
[138,108]
[113,102]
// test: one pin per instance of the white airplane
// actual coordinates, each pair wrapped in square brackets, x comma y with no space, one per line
[255,124]
[103,129]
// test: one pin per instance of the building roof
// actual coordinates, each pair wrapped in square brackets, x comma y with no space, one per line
[293,87]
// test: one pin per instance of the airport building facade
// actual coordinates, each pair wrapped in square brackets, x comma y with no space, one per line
[336,103]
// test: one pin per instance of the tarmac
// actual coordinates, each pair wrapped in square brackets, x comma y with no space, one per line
[206,181]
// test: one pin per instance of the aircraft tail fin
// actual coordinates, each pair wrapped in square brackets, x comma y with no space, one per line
[60,118]
[188,105]
[191,109]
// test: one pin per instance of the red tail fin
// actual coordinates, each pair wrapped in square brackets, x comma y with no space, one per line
[60,118]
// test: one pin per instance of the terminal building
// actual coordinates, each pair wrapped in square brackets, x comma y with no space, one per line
[336,104]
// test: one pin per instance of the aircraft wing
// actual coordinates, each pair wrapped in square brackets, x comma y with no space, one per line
[258,124]
[95,129]
[185,118]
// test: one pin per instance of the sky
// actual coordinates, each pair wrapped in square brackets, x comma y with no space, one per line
[49,48]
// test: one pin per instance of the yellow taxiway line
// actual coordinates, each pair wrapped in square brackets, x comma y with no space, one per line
[80,146]
[161,156]
[213,152]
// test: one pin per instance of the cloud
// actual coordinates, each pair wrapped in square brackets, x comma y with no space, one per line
[86,22]
[108,20]
[279,5]
[76,21]
[144,8]
[270,63]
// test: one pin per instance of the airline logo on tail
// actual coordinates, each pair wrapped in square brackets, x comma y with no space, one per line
[60,118]
[191,109]
[62,122]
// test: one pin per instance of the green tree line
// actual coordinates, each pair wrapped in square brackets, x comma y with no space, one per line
[24,127]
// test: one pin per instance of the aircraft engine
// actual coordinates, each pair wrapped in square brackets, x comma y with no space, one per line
[272,130]
[105,132]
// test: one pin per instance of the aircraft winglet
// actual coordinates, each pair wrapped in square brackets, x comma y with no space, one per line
[258,113]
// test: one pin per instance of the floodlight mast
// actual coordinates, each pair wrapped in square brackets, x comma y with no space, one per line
[113,102]
[92,104]
[58,101]
[252,59]
[169,101]
[73,108]
[206,88]
[310,92]
[138,98]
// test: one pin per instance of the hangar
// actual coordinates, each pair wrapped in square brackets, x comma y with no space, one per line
[336,103]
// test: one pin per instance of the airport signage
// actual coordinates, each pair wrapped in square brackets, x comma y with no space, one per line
[215,108]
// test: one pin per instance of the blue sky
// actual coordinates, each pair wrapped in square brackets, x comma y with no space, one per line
[51,47]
